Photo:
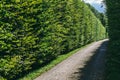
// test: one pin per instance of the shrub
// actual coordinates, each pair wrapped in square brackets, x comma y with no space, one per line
[34,32]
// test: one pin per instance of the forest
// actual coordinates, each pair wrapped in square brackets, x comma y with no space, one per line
[34,32]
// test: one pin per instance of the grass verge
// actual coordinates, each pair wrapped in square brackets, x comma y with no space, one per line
[38,72]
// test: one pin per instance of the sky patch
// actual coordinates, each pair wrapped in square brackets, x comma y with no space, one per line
[94,1]
[97,4]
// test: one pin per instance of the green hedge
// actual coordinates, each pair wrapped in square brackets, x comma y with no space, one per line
[113,60]
[34,32]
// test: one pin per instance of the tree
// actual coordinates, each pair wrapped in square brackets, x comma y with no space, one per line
[113,60]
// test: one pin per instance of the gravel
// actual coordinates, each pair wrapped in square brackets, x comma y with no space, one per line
[86,64]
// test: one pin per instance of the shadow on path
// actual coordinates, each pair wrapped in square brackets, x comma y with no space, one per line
[94,68]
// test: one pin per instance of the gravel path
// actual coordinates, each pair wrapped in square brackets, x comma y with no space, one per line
[86,64]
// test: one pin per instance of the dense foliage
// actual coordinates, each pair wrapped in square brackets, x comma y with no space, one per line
[113,62]
[101,16]
[33,32]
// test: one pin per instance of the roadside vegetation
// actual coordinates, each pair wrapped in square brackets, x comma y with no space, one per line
[113,57]
[35,73]
[35,32]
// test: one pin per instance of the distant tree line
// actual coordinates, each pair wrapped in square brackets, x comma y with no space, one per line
[101,16]
[34,32]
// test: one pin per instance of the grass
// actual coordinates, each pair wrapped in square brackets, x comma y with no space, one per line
[38,72]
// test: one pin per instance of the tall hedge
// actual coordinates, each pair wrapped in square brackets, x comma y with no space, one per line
[113,62]
[34,32]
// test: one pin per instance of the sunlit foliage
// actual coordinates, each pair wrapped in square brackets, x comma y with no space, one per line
[34,32]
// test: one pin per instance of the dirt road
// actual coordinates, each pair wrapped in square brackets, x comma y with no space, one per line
[86,64]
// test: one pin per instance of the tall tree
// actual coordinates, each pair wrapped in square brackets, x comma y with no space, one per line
[113,62]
